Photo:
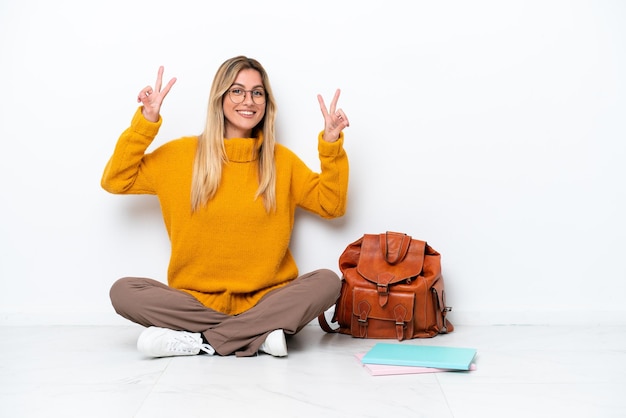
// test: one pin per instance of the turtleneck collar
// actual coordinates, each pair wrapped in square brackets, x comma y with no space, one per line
[243,150]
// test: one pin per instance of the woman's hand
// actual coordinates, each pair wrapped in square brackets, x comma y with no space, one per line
[335,120]
[151,99]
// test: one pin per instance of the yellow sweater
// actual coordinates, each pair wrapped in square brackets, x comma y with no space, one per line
[231,252]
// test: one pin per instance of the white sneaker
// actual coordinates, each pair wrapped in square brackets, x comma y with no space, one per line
[164,342]
[275,344]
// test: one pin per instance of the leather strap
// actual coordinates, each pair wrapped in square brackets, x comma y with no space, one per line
[382,287]
[399,311]
[324,324]
[363,310]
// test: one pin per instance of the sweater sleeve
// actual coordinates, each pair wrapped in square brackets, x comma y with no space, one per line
[126,172]
[325,193]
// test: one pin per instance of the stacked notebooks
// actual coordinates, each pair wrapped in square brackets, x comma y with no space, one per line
[392,358]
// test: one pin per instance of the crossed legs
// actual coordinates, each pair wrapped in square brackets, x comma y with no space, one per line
[149,302]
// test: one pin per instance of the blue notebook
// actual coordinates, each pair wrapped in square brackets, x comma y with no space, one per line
[456,358]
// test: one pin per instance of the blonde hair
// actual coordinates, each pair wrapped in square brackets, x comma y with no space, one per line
[211,153]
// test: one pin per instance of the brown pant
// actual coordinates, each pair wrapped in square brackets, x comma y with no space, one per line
[151,303]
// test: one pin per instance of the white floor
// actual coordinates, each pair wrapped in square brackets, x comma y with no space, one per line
[522,371]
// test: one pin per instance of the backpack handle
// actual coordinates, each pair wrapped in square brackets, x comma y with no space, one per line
[394,246]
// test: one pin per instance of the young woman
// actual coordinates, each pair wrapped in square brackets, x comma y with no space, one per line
[228,198]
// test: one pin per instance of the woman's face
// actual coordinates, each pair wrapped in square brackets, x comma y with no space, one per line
[241,118]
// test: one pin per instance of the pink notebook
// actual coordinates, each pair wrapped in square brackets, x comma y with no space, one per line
[384,370]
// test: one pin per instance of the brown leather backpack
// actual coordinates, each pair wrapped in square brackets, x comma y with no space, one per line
[392,287]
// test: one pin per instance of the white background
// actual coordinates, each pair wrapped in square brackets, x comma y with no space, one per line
[493,130]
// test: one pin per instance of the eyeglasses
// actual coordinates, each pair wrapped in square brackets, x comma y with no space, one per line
[238,95]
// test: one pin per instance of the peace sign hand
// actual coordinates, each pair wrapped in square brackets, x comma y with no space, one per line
[335,120]
[151,99]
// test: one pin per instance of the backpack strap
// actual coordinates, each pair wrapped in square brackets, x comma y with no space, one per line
[321,319]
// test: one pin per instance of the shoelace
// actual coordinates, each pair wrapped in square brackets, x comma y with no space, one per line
[187,343]
[181,344]
[207,349]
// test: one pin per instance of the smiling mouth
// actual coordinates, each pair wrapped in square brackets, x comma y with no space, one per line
[246,112]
